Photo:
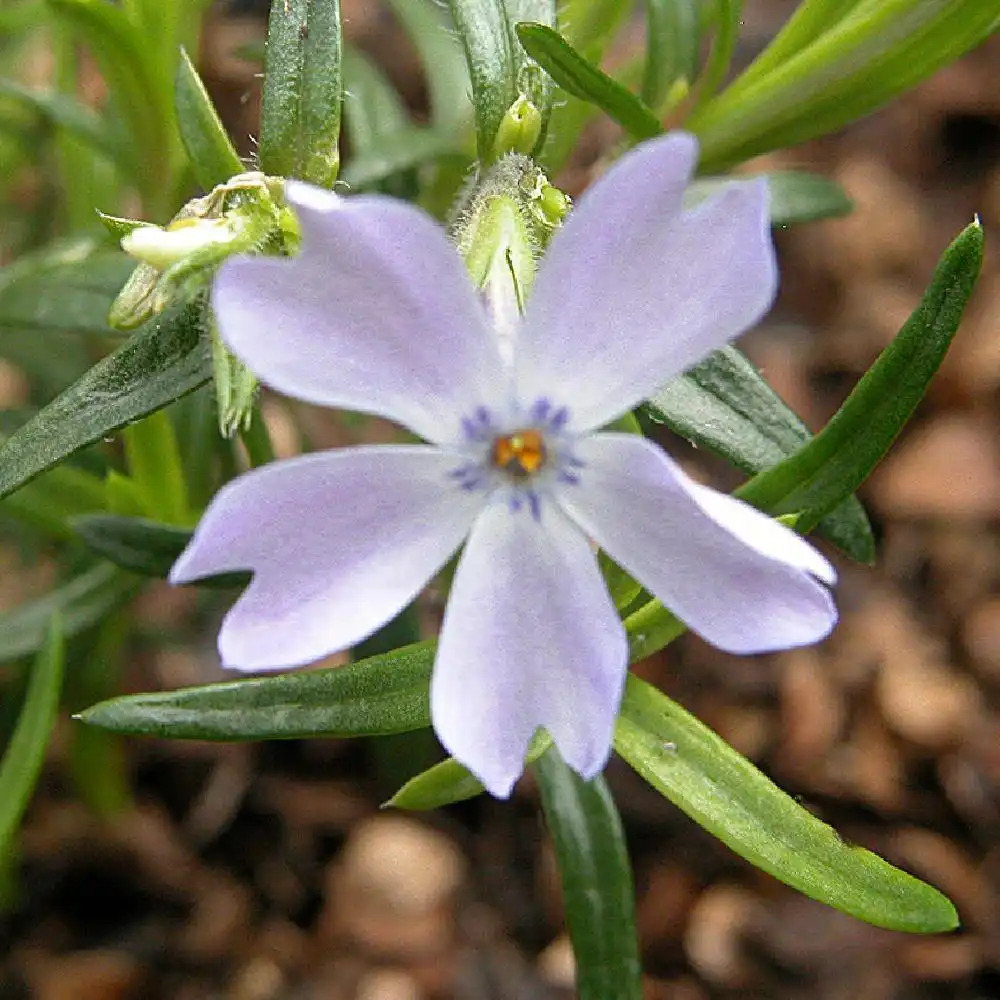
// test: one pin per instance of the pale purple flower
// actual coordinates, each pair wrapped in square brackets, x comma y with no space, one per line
[377,314]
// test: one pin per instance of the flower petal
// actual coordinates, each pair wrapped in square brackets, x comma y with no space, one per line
[375,314]
[632,291]
[742,581]
[530,638]
[339,542]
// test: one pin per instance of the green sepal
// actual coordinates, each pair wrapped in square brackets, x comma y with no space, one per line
[724,793]
[25,753]
[840,457]
[120,227]
[723,404]
[303,91]
[160,362]
[235,386]
[212,156]
[376,696]
[596,877]
[581,78]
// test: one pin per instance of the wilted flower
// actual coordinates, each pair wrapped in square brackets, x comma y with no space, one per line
[377,314]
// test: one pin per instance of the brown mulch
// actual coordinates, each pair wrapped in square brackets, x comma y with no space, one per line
[269,873]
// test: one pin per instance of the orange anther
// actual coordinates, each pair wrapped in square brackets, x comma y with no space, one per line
[520,454]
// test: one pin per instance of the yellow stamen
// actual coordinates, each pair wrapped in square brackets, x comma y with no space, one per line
[520,454]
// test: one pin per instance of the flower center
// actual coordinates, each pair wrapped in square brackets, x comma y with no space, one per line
[520,454]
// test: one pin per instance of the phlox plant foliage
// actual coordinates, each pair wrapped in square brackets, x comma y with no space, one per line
[434,275]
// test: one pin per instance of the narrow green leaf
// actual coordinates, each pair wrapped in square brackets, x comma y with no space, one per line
[839,459]
[169,26]
[449,781]
[133,543]
[878,50]
[650,628]
[154,463]
[25,753]
[484,32]
[121,53]
[441,785]
[403,149]
[672,39]
[582,79]
[388,692]
[723,404]
[373,109]
[723,792]
[810,20]
[727,27]
[377,696]
[303,91]
[209,148]
[162,360]
[596,877]
[67,287]
[80,603]
[50,501]
[591,25]
[77,119]
[796,195]
[445,69]
[142,546]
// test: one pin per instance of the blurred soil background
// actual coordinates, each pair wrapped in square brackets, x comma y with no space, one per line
[268,872]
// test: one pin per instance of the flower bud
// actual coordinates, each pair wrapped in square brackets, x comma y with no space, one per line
[177,261]
[519,130]
[162,246]
[503,222]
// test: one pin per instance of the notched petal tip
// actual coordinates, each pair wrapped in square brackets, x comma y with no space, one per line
[530,639]
[634,290]
[742,581]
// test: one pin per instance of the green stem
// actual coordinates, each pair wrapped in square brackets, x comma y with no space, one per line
[650,629]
